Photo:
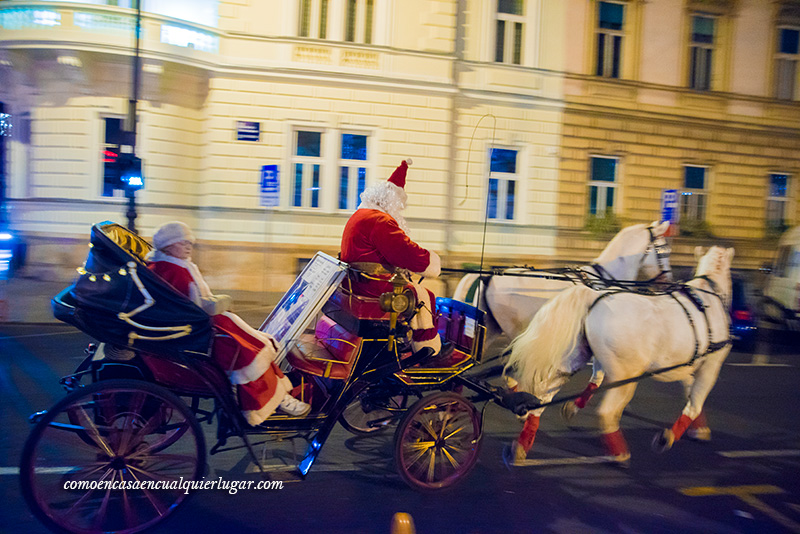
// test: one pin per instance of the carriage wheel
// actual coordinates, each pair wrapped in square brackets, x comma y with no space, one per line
[437,442]
[140,409]
[368,416]
[84,459]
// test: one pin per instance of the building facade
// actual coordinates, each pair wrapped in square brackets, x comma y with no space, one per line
[536,127]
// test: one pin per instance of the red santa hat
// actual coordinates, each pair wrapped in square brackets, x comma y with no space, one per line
[398,177]
[170,233]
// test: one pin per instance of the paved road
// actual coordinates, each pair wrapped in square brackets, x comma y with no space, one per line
[744,481]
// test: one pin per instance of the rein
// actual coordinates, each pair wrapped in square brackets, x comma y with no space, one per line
[598,280]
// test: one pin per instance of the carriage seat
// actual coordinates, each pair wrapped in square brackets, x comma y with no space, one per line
[330,353]
[361,316]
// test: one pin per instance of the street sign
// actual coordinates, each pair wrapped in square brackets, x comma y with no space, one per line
[270,186]
[669,205]
[248,131]
[670,210]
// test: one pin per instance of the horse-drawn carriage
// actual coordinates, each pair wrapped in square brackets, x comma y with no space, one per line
[120,453]
[137,425]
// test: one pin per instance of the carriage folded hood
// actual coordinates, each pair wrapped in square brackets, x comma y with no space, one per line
[117,299]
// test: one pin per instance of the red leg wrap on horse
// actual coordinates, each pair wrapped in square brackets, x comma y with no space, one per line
[615,443]
[680,426]
[581,401]
[700,421]
[528,433]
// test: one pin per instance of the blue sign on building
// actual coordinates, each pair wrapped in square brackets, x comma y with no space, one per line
[248,131]
[270,186]
[669,206]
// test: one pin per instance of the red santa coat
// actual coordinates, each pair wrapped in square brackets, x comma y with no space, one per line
[246,354]
[373,236]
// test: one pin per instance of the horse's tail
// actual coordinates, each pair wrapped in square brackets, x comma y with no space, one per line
[552,335]
[467,290]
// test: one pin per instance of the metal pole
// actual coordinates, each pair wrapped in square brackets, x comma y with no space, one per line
[455,103]
[130,193]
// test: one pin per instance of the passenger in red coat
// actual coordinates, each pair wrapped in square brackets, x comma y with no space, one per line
[246,354]
[377,235]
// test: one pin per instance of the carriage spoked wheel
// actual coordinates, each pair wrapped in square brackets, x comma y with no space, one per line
[367,415]
[112,456]
[437,442]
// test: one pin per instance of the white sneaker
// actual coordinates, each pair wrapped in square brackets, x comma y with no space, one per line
[291,406]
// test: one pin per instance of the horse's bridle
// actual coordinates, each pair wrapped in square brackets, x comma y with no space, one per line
[662,250]
[659,246]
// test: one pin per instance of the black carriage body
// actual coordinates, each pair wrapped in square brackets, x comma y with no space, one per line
[114,283]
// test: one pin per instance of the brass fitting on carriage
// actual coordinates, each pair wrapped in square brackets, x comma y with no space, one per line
[396,303]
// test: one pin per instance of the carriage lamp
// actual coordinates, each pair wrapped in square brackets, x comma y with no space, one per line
[397,302]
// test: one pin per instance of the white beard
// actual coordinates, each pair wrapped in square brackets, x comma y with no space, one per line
[388,198]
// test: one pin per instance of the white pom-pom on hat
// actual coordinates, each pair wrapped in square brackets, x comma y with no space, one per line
[398,177]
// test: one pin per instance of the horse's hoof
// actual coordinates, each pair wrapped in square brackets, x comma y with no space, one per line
[513,454]
[568,410]
[518,453]
[623,461]
[699,434]
[663,441]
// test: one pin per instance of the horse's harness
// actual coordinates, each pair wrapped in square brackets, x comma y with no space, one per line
[600,278]
[689,292]
[660,248]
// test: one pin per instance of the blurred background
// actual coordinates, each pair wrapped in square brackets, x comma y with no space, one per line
[537,128]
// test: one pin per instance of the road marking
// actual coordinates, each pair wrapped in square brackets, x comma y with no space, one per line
[760,454]
[759,364]
[44,470]
[747,494]
[3,338]
[321,468]
[14,471]
[759,360]
[577,460]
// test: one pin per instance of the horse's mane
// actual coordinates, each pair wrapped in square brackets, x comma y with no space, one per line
[716,265]
[612,250]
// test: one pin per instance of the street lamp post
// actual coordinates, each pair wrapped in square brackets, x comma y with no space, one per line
[130,192]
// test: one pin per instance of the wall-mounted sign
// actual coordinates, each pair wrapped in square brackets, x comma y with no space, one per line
[670,210]
[270,186]
[248,131]
[669,205]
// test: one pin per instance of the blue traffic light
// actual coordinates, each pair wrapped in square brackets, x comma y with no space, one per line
[130,172]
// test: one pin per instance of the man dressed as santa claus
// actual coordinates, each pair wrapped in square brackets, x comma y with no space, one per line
[376,242]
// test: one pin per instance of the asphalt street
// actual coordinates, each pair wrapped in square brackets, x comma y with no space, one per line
[744,481]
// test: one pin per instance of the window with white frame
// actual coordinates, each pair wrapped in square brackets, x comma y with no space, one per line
[701,52]
[694,192]
[509,31]
[777,200]
[610,21]
[602,185]
[787,58]
[306,169]
[314,19]
[358,21]
[503,179]
[352,169]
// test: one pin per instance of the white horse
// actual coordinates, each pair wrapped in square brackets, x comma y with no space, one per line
[638,252]
[682,335]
